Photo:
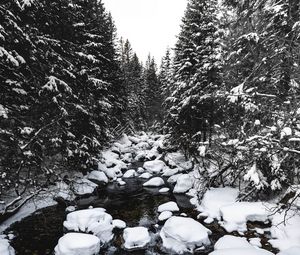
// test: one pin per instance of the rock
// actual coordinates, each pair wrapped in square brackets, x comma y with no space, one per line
[135,238]
[154,182]
[165,215]
[77,244]
[98,176]
[184,184]
[130,174]
[173,179]
[145,176]
[119,224]
[84,187]
[164,190]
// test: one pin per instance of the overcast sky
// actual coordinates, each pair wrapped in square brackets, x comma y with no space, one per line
[150,25]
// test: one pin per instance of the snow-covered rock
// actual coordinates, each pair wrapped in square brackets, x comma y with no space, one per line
[84,187]
[164,190]
[145,176]
[169,206]
[130,173]
[96,221]
[165,215]
[98,176]
[181,234]
[295,250]
[5,248]
[137,237]
[184,184]
[154,182]
[121,182]
[285,230]
[119,224]
[169,171]
[77,244]
[113,172]
[235,216]
[173,179]
[214,199]
[177,159]
[140,170]
[154,166]
[232,245]
[127,157]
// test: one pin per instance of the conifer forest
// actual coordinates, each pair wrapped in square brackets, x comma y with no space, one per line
[104,153]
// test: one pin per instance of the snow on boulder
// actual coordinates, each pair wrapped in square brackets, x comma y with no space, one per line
[83,187]
[181,234]
[214,199]
[127,158]
[295,250]
[114,172]
[137,237]
[169,171]
[154,182]
[235,216]
[154,166]
[177,159]
[96,221]
[143,146]
[164,190]
[130,174]
[184,183]
[98,176]
[5,248]
[77,244]
[169,206]
[285,230]
[241,251]
[140,170]
[145,176]
[119,224]
[165,215]
[230,242]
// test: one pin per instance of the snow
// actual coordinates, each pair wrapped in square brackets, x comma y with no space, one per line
[140,170]
[177,159]
[130,174]
[77,244]
[84,187]
[173,179]
[5,248]
[94,220]
[235,216]
[169,206]
[119,224]
[164,190]
[285,230]
[136,237]
[154,182]
[165,215]
[214,199]
[169,172]
[181,234]
[232,245]
[98,176]
[255,242]
[295,250]
[154,166]
[145,176]
[184,184]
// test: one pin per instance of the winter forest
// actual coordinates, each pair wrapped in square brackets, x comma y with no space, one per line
[102,153]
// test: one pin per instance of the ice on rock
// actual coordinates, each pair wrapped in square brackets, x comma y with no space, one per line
[5,248]
[98,176]
[235,216]
[164,190]
[232,245]
[181,234]
[184,183]
[83,187]
[137,237]
[77,244]
[130,173]
[154,182]
[169,206]
[145,176]
[165,215]
[96,221]
[214,199]
[295,250]
[119,224]
[285,230]
[154,166]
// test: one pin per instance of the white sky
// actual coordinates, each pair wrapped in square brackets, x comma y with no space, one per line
[149,25]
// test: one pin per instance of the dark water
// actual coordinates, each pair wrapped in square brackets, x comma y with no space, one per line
[38,234]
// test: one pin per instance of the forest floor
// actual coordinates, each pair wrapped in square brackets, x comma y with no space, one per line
[219,224]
